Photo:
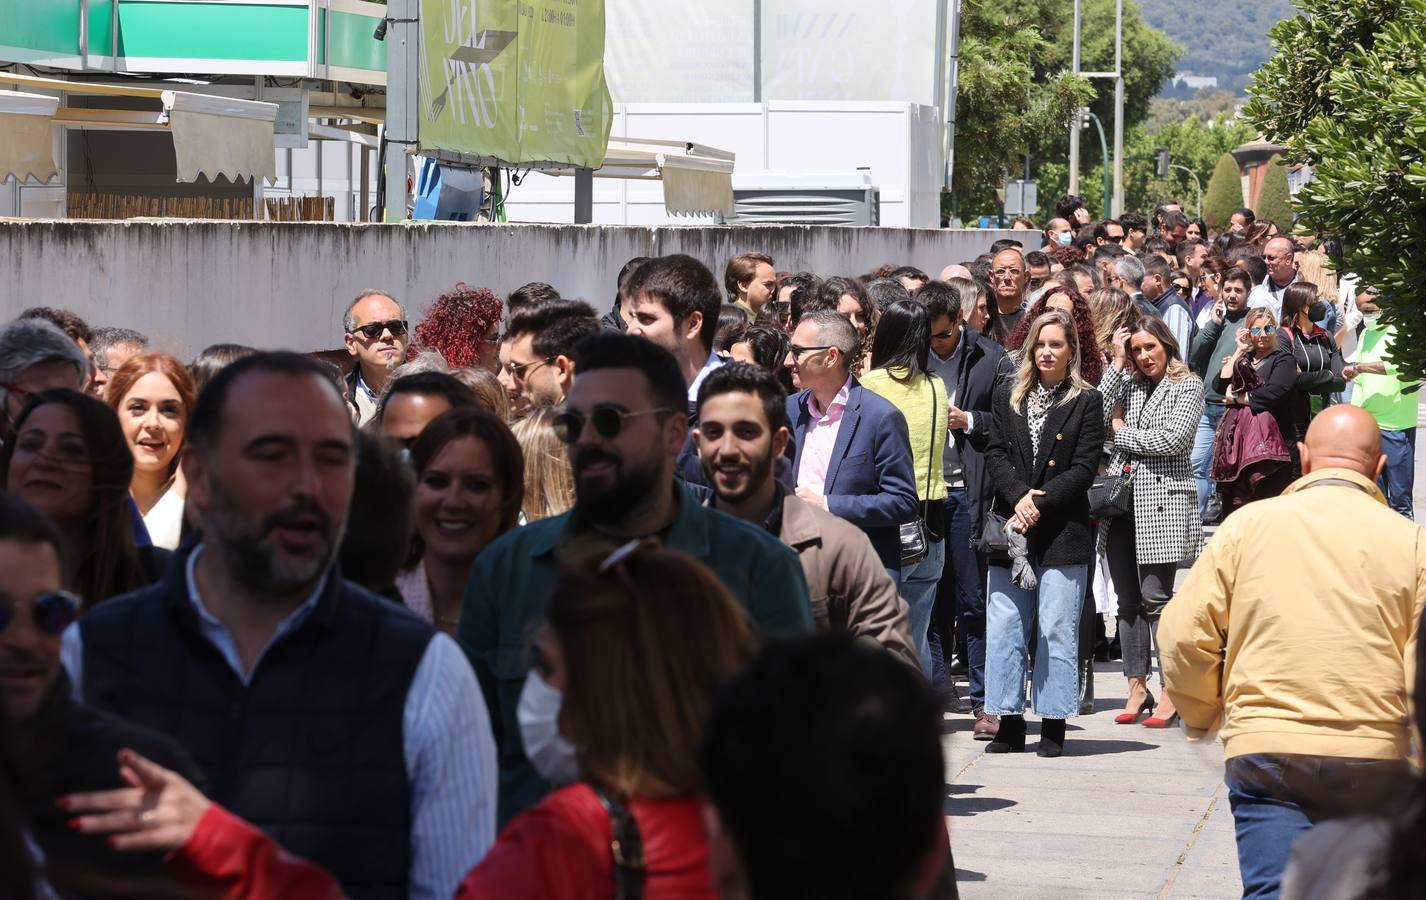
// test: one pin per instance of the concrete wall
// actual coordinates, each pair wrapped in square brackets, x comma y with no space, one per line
[188,284]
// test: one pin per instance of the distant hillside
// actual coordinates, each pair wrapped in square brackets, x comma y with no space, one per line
[1226,38]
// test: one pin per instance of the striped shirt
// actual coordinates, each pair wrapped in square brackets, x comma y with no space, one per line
[448,746]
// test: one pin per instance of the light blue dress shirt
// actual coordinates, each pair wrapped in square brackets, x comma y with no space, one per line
[449,748]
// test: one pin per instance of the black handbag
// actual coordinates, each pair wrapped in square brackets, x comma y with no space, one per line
[915,536]
[1112,494]
[627,847]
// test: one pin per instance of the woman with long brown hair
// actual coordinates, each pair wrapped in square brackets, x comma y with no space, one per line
[69,459]
[153,394]
[549,481]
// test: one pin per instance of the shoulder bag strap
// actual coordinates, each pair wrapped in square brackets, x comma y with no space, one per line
[627,847]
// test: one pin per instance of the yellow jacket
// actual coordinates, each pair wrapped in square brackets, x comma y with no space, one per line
[1299,623]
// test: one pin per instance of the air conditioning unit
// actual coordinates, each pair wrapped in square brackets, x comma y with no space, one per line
[806,198]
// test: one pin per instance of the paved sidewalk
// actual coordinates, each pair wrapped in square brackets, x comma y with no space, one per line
[1127,812]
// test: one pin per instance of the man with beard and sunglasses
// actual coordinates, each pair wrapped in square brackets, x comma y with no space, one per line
[742,430]
[374,331]
[625,419]
[341,724]
[59,745]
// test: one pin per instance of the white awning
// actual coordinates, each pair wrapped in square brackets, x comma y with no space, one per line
[215,136]
[26,136]
[212,135]
[697,179]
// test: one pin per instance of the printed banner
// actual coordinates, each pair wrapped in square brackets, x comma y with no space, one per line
[519,81]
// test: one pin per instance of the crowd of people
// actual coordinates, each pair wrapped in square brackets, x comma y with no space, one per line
[534,598]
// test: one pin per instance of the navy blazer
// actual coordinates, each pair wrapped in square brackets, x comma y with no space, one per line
[871,481]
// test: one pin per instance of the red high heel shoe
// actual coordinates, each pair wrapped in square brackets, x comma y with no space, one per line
[1156,722]
[1130,718]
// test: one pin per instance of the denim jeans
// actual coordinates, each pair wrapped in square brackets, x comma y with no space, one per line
[1203,452]
[918,588]
[1398,479]
[966,566]
[1276,797]
[1051,611]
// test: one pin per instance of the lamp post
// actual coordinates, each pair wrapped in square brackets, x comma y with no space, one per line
[1118,76]
[1103,150]
[1197,185]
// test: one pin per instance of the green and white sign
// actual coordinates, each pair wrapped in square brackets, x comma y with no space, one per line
[517,81]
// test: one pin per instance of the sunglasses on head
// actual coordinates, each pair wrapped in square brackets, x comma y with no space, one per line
[608,421]
[52,613]
[1260,330]
[372,330]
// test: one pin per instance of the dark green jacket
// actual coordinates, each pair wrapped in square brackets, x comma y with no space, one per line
[511,581]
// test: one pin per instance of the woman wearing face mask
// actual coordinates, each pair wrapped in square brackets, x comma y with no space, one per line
[1046,438]
[1319,361]
[470,482]
[1258,380]
[70,460]
[1153,404]
[654,629]
[153,394]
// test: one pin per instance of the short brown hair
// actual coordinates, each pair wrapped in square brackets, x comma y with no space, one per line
[743,267]
[643,644]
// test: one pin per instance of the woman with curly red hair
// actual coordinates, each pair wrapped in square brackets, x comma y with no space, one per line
[1061,294]
[463,325]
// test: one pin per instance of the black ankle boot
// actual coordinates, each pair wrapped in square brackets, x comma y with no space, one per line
[1052,737]
[1010,738]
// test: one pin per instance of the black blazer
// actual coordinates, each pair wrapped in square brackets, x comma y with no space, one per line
[1070,448]
[983,363]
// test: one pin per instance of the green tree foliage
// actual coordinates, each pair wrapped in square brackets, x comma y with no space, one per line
[1016,94]
[1191,143]
[1224,193]
[1274,199]
[1346,92]
[1224,38]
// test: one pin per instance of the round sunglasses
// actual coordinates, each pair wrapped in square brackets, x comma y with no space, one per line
[51,613]
[608,421]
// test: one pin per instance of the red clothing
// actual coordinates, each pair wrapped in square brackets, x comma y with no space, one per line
[229,858]
[560,849]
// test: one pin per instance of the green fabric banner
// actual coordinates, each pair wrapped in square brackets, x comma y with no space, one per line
[520,81]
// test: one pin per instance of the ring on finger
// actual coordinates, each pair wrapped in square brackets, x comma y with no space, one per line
[146,817]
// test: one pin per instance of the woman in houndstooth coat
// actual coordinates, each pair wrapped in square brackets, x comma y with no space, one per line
[1152,404]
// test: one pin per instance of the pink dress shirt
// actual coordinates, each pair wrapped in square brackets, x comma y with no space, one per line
[821,437]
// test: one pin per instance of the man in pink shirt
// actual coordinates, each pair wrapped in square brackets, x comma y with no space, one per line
[852,453]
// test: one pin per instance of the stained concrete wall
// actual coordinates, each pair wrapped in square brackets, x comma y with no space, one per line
[188,284]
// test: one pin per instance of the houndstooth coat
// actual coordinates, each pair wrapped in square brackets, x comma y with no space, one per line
[1157,439]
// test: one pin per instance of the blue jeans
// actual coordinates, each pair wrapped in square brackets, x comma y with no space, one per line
[1398,479]
[1203,452]
[967,566]
[918,588]
[1276,797]
[1052,610]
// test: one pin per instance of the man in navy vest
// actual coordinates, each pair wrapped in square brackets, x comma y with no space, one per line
[341,724]
[1159,290]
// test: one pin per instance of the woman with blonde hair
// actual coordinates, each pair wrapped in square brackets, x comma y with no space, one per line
[153,394]
[1257,381]
[549,482]
[1113,311]
[1046,437]
[1152,404]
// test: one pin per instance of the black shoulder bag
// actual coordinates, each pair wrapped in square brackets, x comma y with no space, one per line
[627,847]
[915,537]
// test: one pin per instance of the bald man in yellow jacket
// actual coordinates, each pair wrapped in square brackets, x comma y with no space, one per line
[1296,633]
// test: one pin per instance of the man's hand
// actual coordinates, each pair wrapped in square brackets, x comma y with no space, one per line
[816,500]
[957,419]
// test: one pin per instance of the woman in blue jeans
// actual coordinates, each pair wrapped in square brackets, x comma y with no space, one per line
[899,353]
[1047,434]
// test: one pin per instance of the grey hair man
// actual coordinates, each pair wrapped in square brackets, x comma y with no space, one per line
[1127,275]
[112,347]
[374,330]
[36,356]
[867,479]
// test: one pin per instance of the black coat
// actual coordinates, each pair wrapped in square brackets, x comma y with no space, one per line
[1070,448]
[982,364]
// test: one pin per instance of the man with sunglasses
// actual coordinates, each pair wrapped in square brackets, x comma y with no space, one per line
[374,330]
[1108,231]
[542,338]
[624,420]
[60,745]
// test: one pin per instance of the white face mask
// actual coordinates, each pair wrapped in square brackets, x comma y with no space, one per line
[1371,318]
[1063,238]
[538,713]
